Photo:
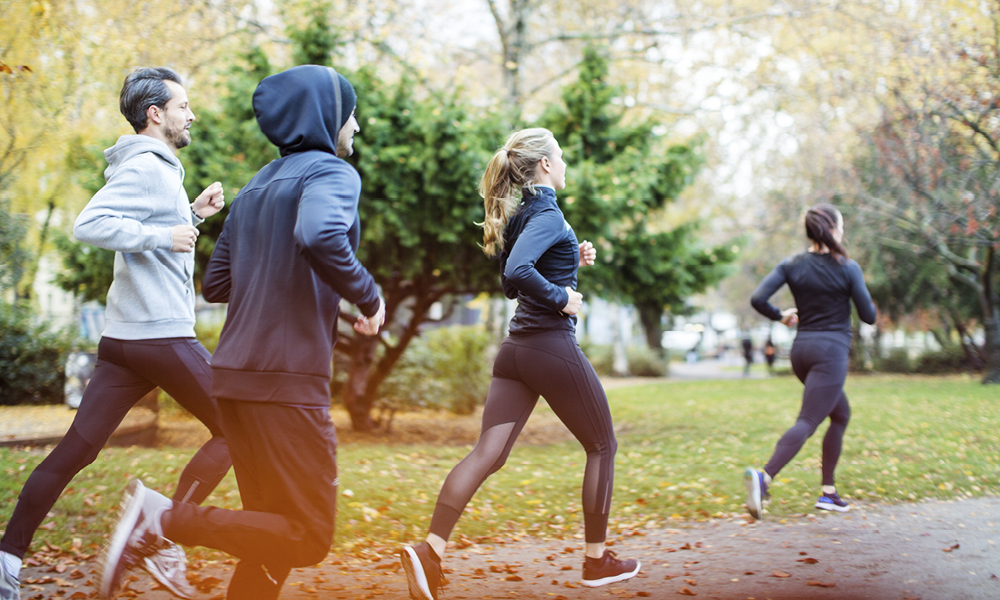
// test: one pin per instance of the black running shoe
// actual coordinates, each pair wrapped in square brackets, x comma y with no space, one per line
[423,571]
[608,569]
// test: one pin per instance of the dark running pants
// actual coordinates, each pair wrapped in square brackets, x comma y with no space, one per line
[285,458]
[551,365]
[819,360]
[126,371]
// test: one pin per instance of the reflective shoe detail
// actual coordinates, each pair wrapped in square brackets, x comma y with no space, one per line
[423,571]
[832,502]
[756,492]
[10,587]
[168,566]
[608,569]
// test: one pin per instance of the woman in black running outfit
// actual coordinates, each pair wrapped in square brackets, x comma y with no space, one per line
[823,281]
[539,257]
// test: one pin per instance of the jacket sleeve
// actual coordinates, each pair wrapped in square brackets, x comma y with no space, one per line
[328,210]
[760,299]
[113,219]
[218,280]
[540,232]
[860,294]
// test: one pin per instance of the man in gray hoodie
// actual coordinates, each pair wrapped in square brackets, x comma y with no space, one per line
[144,215]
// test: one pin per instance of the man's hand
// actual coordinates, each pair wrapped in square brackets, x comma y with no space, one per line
[588,254]
[575,302]
[210,201]
[370,325]
[184,237]
[790,317]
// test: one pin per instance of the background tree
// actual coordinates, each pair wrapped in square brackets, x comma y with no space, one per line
[622,176]
[420,161]
[934,178]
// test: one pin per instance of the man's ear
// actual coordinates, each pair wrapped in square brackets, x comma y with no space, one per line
[154,115]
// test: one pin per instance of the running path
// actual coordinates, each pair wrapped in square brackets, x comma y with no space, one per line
[926,551]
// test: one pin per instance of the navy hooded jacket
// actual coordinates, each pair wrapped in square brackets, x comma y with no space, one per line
[286,255]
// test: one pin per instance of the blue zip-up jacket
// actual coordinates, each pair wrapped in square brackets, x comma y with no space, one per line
[540,258]
[823,288]
[286,254]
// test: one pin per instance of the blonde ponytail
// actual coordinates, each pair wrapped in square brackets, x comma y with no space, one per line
[511,168]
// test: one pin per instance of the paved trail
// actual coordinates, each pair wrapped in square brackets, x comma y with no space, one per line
[927,551]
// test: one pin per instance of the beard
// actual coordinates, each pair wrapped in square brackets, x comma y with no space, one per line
[178,137]
[345,146]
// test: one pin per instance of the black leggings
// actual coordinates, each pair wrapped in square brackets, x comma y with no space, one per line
[551,365]
[819,360]
[126,371]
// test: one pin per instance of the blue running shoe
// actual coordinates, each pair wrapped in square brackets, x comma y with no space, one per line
[756,492]
[832,502]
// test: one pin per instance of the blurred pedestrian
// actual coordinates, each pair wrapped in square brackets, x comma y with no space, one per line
[747,354]
[770,354]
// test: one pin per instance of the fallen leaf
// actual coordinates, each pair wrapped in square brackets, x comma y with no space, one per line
[207,584]
[749,573]
[565,568]
[643,594]
[821,584]
[780,574]
[570,585]
[950,548]
[686,546]
[514,578]
[686,592]
[690,582]
[808,561]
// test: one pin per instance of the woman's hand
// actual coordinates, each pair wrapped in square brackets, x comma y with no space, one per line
[790,317]
[575,302]
[588,254]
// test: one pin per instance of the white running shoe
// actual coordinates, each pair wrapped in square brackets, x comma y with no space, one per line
[10,587]
[136,536]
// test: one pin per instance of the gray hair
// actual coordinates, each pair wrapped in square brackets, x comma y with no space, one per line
[143,88]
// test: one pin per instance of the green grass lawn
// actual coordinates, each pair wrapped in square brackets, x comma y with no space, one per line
[682,450]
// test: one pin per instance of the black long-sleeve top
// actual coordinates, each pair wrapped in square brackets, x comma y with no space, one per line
[540,258]
[823,288]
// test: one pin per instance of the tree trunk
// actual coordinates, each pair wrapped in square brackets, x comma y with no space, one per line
[357,399]
[365,374]
[651,316]
[991,320]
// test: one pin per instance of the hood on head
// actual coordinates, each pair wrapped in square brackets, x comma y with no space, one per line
[128,146]
[303,108]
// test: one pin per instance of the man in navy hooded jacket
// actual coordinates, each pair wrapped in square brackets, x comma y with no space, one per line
[284,260]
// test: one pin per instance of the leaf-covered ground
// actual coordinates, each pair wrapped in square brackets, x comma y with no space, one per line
[682,448]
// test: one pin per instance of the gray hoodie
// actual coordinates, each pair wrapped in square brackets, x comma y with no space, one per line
[152,295]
